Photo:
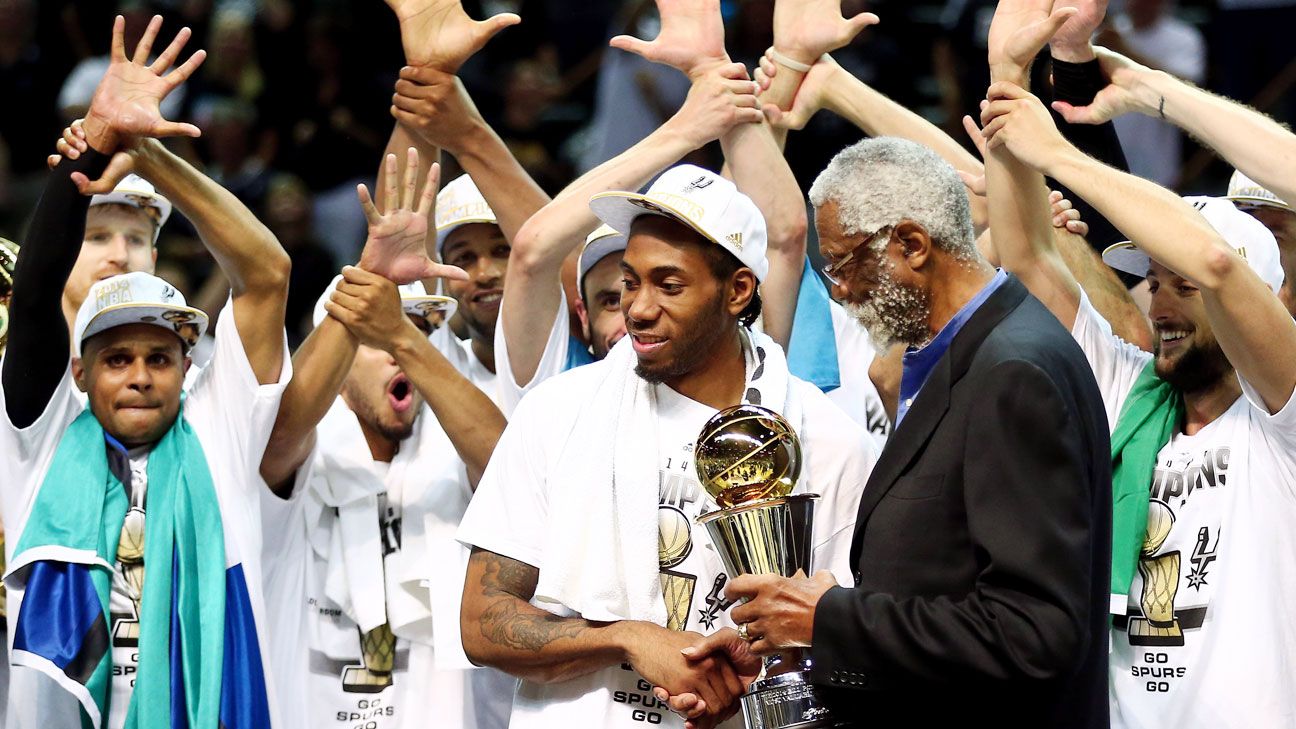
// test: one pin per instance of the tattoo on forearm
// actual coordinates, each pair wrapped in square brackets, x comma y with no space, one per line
[505,622]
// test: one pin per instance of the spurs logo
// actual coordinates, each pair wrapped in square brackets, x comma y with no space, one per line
[716,603]
[699,183]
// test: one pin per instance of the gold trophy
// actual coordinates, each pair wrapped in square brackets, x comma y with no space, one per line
[749,458]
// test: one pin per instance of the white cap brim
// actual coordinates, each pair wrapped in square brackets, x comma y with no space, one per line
[445,231]
[1249,201]
[619,210]
[436,309]
[185,322]
[1127,258]
[595,251]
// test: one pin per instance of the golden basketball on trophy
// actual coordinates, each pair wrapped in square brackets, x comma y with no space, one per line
[749,458]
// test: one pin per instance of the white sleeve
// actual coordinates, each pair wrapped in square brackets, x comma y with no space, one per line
[1279,433]
[1116,363]
[228,401]
[841,456]
[552,362]
[508,514]
[26,453]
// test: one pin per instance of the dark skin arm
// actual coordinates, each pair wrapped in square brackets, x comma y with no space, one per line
[503,630]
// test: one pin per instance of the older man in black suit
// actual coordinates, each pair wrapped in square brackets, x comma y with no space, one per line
[983,537]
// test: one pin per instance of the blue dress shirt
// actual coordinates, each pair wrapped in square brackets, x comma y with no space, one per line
[917,364]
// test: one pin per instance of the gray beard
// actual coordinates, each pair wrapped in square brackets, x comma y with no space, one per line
[895,314]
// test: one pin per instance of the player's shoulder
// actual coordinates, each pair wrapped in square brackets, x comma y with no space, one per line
[565,392]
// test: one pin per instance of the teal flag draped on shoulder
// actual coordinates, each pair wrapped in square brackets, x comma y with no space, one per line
[64,563]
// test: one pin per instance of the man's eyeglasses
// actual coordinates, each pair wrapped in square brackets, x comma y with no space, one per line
[833,270]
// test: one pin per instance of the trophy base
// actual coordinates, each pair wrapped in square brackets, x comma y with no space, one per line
[786,701]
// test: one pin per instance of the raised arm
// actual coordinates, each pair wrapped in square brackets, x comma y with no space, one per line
[1256,333]
[394,248]
[248,253]
[829,86]
[36,356]
[125,106]
[368,305]
[1017,197]
[718,100]
[1260,147]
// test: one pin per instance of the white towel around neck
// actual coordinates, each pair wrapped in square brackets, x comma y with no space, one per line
[600,556]
[369,591]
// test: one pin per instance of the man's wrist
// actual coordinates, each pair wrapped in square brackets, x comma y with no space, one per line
[804,56]
[1148,88]
[408,343]
[1066,164]
[1010,72]
[705,65]
[99,134]
[1072,53]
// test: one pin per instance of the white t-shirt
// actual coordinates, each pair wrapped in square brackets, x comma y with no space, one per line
[506,517]
[232,416]
[1209,639]
[857,395]
[460,353]
[317,648]
[552,361]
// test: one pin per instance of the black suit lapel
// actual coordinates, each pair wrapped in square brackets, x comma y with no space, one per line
[910,438]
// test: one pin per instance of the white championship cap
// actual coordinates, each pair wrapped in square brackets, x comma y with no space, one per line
[415,300]
[700,199]
[460,203]
[1248,193]
[138,192]
[137,298]
[600,244]
[1246,235]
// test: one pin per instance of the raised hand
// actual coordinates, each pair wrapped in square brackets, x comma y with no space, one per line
[691,37]
[438,33]
[804,30]
[1072,42]
[125,104]
[73,144]
[435,105]
[1017,121]
[369,306]
[1018,32]
[810,97]
[1065,216]
[1116,98]
[718,100]
[396,246]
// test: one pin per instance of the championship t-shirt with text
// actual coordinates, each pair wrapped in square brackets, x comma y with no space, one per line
[1207,639]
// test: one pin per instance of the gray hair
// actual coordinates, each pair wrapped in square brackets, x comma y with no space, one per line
[879,182]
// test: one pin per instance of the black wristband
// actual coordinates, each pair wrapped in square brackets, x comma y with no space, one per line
[1077,83]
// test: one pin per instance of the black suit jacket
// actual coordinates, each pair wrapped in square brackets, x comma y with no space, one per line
[982,543]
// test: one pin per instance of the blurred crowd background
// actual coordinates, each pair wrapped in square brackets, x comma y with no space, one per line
[293,98]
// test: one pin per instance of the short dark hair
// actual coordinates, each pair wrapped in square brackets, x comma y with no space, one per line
[724,265]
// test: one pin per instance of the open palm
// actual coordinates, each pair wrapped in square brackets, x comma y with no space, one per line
[691,37]
[807,29]
[126,102]
[1020,29]
[397,244]
[440,34]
